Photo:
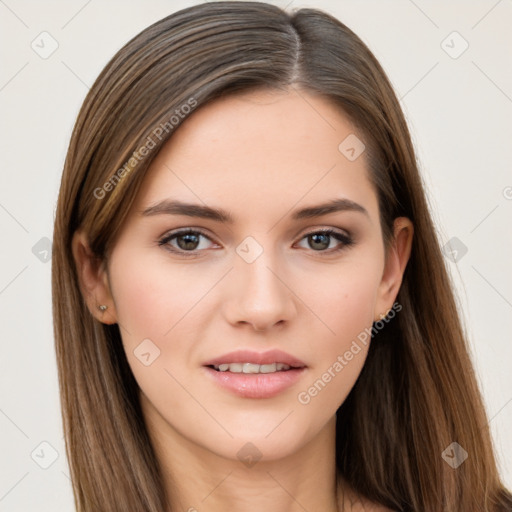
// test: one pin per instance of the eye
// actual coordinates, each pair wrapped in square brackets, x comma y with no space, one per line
[321,240]
[188,241]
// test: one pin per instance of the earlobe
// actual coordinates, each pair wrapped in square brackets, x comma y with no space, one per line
[93,279]
[397,259]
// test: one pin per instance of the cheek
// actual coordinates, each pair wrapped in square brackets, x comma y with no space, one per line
[161,308]
[343,303]
[155,309]
[343,298]
[153,299]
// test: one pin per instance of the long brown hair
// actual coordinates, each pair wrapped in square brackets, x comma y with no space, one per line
[417,392]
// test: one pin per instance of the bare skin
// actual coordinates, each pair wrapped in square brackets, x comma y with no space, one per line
[260,156]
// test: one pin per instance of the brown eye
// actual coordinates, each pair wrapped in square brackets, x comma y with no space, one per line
[320,241]
[188,241]
[185,241]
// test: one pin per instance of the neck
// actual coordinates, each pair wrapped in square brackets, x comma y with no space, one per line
[196,478]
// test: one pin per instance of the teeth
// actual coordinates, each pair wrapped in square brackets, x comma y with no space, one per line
[235,368]
[252,368]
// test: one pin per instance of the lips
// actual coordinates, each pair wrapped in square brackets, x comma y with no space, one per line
[256,358]
[256,383]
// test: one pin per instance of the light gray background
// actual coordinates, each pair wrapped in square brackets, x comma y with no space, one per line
[459,111]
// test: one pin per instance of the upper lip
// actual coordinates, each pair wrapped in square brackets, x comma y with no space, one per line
[249,356]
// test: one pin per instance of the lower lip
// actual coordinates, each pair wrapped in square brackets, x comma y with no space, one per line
[256,385]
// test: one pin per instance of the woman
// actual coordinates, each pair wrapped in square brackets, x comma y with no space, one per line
[251,308]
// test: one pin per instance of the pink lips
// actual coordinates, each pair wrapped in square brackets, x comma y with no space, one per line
[260,385]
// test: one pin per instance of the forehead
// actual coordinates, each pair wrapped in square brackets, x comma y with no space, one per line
[261,151]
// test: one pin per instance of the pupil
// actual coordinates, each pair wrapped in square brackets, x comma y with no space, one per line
[320,238]
[190,243]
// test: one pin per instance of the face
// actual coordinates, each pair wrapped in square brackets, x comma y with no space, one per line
[188,290]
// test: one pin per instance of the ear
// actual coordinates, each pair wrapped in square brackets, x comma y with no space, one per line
[94,282]
[397,258]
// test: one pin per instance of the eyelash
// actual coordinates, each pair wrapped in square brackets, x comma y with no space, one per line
[347,241]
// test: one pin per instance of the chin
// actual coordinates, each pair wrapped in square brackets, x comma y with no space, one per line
[265,440]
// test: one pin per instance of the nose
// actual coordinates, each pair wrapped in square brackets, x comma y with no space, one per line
[260,295]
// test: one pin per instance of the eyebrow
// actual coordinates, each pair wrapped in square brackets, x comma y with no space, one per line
[175,207]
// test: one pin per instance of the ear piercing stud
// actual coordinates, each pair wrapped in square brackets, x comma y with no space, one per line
[102,307]
[384,315]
